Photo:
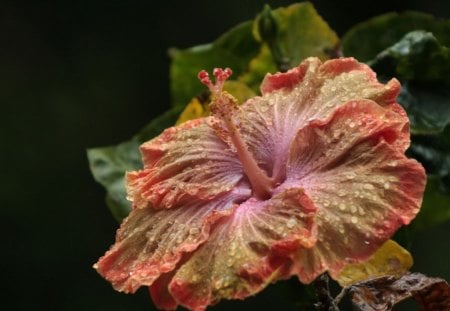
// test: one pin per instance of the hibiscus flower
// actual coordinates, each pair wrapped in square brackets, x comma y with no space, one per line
[304,179]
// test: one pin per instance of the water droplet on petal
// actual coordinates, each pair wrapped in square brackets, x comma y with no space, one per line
[393,163]
[368,186]
[386,185]
[354,220]
[229,262]
[218,284]
[194,231]
[291,223]
[350,175]
[351,125]
[342,206]
[336,134]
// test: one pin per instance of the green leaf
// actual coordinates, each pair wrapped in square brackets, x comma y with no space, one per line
[234,49]
[435,208]
[290,35]
[418,56]
[109,164]
[422,65]
[433,151]
[301,33]
[365,40]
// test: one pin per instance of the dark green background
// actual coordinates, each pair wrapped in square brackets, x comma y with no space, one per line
[80,74]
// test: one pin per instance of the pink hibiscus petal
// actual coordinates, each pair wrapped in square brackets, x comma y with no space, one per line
[184,163]
[353,167]
[304,179]
[151,242]
[313,90]
[245,250]
[159,291]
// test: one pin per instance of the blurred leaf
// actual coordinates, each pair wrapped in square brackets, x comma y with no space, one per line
[258,68]
[234,49]
[109,164]
[435,208]
[432,294]
[389,259]
[300,32]
[427,106]
[418,56]
[365,40]
[433,151]
[422,65]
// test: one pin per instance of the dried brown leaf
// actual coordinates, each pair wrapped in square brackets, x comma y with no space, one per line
[381,294]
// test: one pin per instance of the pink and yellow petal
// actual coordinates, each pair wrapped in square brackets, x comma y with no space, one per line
[353,168]
[185,163]
[151,242]
[246,250]
[312,91]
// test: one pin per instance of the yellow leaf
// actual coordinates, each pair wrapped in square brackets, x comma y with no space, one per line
[195,109]
[389,259]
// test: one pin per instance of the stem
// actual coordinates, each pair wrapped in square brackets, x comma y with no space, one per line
[261,184]
[325,301]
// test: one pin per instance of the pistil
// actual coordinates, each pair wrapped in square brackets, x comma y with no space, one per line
[224,107]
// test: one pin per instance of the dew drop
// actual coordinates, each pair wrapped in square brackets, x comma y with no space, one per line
[351,125]
[354,220]
[218,284]
[368,186]
[194,231]
[361,211]
[229,262]
[291,223]
[353,209]
[342,193]
[336,134]
[393,163]
[342,206]
[366,242]
[350,175]
[386,185]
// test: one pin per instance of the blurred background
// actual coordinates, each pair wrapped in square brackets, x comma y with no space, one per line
[81,74]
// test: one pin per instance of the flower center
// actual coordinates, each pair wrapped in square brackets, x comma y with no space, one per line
[224,107]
